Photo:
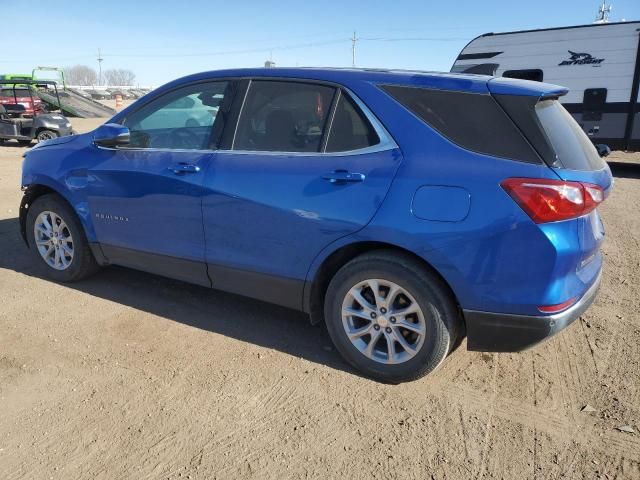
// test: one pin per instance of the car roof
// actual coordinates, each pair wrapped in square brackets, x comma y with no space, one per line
[350,77]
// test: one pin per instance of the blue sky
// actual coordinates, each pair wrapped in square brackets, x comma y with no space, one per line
[160,40]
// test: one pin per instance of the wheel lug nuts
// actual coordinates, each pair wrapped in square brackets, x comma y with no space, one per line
[383,310]
[376,327]
[373,315]
[388,329]
[392,319]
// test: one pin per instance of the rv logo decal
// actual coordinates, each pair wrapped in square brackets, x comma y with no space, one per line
[581,59]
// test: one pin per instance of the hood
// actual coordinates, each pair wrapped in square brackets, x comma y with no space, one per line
[55,141]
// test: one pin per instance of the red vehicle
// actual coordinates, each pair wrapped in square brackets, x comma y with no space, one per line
[21,96]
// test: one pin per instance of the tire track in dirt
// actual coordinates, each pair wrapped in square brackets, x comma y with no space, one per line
[491,410]
[543,420]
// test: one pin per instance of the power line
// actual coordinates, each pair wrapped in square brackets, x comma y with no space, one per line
[231,52]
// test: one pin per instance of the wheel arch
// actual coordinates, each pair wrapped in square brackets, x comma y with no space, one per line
[36,190]
[313,298]
[42,128]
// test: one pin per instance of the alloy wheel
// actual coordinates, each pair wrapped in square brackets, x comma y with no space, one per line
[53,240]
[383,321]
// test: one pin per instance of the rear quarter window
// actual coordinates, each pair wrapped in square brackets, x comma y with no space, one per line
[572,147]
[472,121]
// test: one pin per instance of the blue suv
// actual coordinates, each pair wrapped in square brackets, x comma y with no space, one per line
[403,209]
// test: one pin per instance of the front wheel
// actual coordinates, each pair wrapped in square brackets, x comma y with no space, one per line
[46,135]
[57,240]
[390,317]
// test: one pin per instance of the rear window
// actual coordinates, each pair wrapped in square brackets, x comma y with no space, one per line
[572,147]
[20,92]
[473,121]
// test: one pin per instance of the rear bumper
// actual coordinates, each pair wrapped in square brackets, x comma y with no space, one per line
[502,332]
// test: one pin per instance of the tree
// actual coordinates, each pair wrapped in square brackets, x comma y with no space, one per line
[119,77]
[80,75]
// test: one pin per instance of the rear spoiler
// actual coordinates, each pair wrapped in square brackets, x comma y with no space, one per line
[528,88]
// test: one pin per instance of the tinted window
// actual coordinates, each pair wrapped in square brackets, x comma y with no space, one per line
[350,129]
[181,119]
[572,147]
[283,117]
[473,121]
[20,92]
[531,74]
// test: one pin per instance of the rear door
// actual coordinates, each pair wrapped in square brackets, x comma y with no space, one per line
[308,164]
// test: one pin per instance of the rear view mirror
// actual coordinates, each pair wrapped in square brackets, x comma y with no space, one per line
[111,135]
[603,150]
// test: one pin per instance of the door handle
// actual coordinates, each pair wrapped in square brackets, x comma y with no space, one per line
[182,168]
[340,177]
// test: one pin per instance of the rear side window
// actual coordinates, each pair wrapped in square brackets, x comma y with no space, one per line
[572,147]
[350,129]
[283,117]
[473,121]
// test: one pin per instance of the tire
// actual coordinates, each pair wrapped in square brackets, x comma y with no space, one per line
[46,135]
[437,316]
[81,264]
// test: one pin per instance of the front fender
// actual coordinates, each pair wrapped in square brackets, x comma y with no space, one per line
[37,185]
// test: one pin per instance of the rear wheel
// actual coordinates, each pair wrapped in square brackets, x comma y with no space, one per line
[57,240]
[46,135]
[390,318]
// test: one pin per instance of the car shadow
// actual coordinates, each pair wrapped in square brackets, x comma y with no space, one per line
[241,318]
[625,170]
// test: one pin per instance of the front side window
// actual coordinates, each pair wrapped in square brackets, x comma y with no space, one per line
[350,129]
[179,120]
[283,117]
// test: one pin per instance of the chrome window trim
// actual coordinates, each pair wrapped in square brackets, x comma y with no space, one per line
[142,149]
[386,141]
[336,101]
[235,130]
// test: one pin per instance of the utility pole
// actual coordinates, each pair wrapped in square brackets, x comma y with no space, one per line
[354,39]
[100,59]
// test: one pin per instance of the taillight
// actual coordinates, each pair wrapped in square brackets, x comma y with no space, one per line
[553,200]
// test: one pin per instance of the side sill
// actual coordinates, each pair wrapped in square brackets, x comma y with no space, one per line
[283,291]
[172,267]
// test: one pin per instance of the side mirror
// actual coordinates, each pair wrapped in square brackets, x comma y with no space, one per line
[603,150]
[111,135]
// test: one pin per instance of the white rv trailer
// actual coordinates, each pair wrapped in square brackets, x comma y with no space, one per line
[599,63]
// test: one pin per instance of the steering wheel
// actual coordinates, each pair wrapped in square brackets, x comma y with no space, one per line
[184,138]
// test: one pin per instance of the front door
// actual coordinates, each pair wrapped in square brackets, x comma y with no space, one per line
[306,167]
[146,198]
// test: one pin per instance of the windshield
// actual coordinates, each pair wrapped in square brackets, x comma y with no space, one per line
[572,147]
[8,92]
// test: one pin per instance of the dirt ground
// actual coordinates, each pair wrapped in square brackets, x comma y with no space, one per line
[129,375]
